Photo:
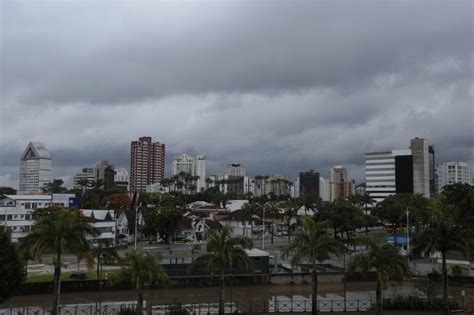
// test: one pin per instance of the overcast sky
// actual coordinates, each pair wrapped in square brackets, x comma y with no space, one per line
[280,86]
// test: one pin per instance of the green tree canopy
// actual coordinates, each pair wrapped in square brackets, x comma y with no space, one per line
[59,230]
[55,187]
[312,244]
[11,267]
[223,252]
[142,269]
[386,260]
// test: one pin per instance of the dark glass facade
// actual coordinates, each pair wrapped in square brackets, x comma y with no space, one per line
[404,174]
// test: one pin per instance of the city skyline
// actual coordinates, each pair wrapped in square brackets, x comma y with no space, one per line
[301,92]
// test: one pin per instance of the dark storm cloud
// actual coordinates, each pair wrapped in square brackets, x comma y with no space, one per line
[278,86]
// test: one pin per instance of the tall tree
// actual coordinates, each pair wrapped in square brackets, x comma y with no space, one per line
[59,230]
[142,269]
[55,187]
[4,190]
[11,268]
[386,260]
[313,244]
[290,213]
[118,201]
[249,210]
[223,252]
[444,233]
[272,210]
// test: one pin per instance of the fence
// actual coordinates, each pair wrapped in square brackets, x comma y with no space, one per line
[276,306]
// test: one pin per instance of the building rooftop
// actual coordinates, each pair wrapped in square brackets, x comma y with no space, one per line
[36,150]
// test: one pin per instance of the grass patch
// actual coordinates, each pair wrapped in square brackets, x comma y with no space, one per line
[91,275]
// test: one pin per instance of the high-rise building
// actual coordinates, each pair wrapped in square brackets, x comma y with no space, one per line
[234,169]
[451,173]
[388,173]
[421,166]
[86,174]
[147,163]
[201,172]
[324,189]
[100,170]
[341,186]
[184,163]
[35,168]
[401,171]
[309,184]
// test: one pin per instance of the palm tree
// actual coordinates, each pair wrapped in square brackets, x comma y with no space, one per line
[386,260]
[59,230]
[312,244]
[367,201]
[223,252]
[249,210]
[290,212]
[444,234]
[141,269]
[272,210]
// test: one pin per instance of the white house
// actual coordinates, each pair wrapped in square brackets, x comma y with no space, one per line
[104,221]
[16,211]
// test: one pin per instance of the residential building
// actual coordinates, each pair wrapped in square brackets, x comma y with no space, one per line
[234,169]
[121,179]
[451,173]
[147,163]
[35,168]
[16,211]
[340,185]
[201,172]
[104,221]
[325,189]
[296,188]
[86,174]
[184,163]
[309,183]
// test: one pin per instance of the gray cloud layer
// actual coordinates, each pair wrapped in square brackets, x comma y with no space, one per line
[279,86]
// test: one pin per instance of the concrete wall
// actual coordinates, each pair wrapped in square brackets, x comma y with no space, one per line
[302,278]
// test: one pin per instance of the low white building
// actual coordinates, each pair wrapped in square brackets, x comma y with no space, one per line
[16,210]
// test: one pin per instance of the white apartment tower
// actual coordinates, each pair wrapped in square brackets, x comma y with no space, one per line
[184,164]
[35,168]
[234,169]
[194,166]
[452,173]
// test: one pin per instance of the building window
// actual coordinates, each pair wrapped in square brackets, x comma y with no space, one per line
[27,205]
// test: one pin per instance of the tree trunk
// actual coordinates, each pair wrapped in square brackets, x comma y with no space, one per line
[57,283]
[314,295]
[222,294]
[140,299]
[444,271]
[378,296]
